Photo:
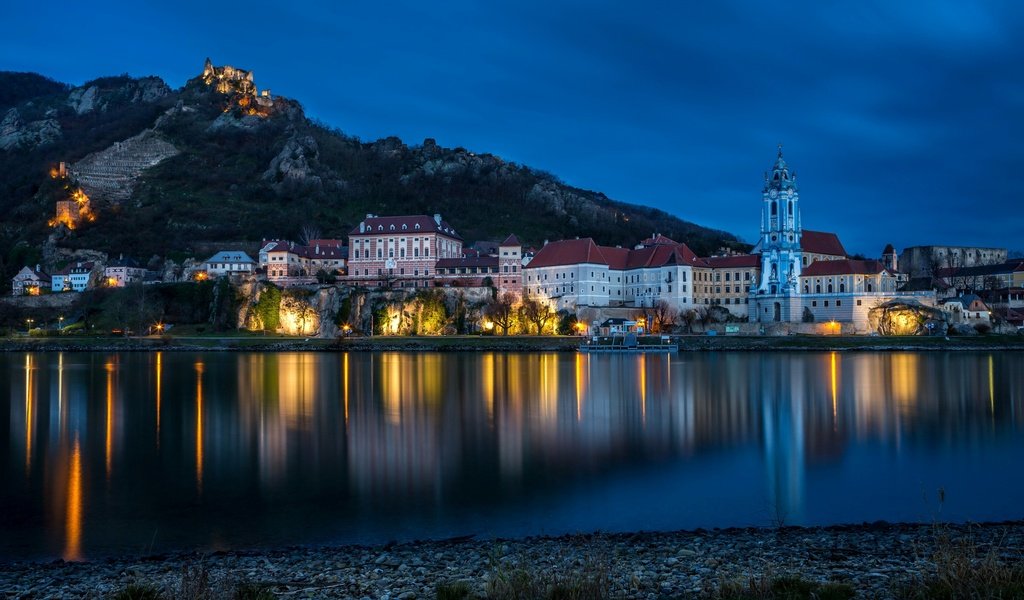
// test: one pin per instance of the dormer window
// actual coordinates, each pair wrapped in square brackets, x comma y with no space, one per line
[404,226]
[392,228]
[380,228]
[417,226]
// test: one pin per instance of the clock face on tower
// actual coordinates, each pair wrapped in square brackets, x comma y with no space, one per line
[389,263]
[773,193]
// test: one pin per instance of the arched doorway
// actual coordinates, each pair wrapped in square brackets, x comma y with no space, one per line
[778,312]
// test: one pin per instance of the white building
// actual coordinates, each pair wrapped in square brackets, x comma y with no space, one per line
[30,282]
[229,262]
[76,277]
[123,271]
[579,273]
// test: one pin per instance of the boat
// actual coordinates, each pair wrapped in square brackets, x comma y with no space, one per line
[627,344]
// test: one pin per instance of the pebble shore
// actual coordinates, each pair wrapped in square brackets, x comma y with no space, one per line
[874,559]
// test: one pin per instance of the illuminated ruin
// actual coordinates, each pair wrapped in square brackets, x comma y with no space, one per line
[76,208]
[239,84]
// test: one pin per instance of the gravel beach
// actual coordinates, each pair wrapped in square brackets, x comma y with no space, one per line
[874,559]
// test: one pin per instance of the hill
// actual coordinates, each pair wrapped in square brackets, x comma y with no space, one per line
[219,161]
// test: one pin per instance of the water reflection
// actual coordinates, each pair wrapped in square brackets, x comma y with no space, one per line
[234,449]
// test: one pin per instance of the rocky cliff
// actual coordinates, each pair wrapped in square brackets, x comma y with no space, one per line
[218,163]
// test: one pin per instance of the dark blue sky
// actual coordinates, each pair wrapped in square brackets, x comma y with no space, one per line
[904,120]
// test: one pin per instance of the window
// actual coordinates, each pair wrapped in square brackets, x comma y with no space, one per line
[814,303]
[826,303]
[839,302]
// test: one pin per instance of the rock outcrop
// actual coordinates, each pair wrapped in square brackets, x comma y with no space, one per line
[94,97]
[296,164]
[14,132]
[907,317]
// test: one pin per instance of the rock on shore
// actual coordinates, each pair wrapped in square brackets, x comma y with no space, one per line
[874,559]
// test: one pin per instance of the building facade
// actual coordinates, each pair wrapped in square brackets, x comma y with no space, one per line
[122,272]
[571,274]
[777,293]
[229,262]
[925,261]
[30,282]
[400,251]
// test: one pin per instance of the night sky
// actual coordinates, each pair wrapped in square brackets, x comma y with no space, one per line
[903,120]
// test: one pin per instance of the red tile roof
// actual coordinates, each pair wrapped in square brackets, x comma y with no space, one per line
[821,242]
[845,266]
[374,224]
[657,239]
[568,252]
[733,261]
[585,251]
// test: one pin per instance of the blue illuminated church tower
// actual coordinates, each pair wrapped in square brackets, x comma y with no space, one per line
[777,297]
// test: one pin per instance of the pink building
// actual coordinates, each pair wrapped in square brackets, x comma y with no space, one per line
[400,251]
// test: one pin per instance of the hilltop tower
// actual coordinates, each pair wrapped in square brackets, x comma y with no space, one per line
[781,256]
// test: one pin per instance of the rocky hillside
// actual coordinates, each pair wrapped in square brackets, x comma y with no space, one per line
[166,169]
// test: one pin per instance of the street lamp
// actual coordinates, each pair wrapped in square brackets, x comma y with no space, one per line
[60,323]
[29,323]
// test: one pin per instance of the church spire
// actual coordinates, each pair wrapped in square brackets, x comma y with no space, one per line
[780,178]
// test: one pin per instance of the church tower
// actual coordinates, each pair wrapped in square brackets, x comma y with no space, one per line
[781,257]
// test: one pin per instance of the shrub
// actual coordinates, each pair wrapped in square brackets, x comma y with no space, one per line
[137,591]
[982,328]
[453,591]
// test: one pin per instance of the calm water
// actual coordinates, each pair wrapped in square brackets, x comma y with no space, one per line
[104,453]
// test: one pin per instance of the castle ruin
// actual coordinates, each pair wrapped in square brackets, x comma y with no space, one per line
[229,80]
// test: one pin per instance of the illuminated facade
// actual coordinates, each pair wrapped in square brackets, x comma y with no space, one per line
[400,251]
[777,295]
[805,275]
[30,282]
[579,273]
[123,271]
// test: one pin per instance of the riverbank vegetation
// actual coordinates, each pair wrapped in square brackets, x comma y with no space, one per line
[905,562]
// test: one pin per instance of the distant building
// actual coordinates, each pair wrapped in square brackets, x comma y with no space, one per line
[75,277]
[123,271]
[229,262]
[969,309]
[30,282]
[925,261]
[1006,274]
[400,251]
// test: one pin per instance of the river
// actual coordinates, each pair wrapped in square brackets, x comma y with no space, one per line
[113,453]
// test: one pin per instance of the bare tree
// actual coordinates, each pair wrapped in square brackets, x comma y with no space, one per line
[662,316]
[688,318]
[703,314]
[501,311]
[537,312]
[308,234]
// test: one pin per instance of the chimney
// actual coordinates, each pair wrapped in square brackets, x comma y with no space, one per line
[39,268]
[369,215]
[545,242]
[362,227]
[437,218]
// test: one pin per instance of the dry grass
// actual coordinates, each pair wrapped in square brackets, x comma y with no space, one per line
[965,570]
[588,580]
